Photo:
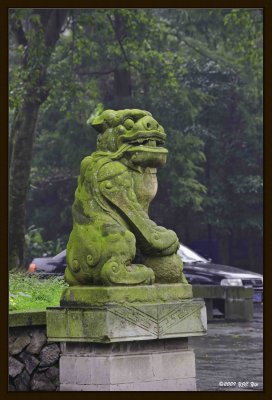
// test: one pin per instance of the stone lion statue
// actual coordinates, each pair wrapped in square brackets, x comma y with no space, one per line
[110,211]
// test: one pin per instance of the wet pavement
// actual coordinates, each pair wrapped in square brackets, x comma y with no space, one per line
[230,357]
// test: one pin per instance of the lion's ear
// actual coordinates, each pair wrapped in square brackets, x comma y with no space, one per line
[97,123]
[102,121]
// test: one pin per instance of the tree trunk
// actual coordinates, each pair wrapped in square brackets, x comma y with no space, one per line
[231,247]
[122,86]
[38,50]
[224,248]
[12,130]
[210,238]
[19,180]
[122,73]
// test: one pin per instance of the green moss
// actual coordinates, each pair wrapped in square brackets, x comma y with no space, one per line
[27,318]
[78,296]
[110,211]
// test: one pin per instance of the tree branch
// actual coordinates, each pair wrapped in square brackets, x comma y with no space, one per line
[205,52]
[93,73]
[39,183]
[17,29]
[119,40]
[66,26]
[130,64]
[52,21]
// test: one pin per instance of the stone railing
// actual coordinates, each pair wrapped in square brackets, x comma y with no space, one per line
[33,361]
[236,302]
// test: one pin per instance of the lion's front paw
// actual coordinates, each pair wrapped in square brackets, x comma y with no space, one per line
[116,273]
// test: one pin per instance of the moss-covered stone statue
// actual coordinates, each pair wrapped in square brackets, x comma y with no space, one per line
[110,211]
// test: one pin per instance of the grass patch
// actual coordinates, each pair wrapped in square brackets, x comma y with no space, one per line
[31,292]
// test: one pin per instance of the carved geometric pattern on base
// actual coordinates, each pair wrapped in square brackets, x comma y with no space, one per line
[161,324]
[176,315]
[137,317]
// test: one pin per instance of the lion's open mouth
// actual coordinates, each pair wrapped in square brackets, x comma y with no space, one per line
[153,142]
[143,141]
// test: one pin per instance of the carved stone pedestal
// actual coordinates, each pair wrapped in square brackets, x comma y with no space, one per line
[127,338]
[148,365]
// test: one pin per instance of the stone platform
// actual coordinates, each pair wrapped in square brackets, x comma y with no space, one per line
[127,338]
[113,314]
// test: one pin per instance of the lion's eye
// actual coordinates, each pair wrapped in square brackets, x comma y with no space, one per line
[128,124]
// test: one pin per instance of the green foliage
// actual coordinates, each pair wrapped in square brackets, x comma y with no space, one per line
[29,292]
[183,170]
[198,71]
[37,247]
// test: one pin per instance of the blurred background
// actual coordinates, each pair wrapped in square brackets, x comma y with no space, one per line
[198,71]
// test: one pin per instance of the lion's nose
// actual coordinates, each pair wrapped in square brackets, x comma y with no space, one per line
[150,123]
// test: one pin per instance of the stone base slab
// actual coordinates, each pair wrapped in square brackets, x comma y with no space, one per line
[157,365]
[85,296]
[127,322]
